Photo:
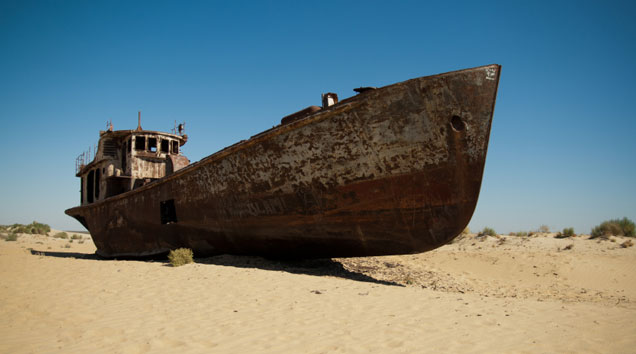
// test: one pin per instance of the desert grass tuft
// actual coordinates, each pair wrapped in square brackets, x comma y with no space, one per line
[180,256]
[627,243]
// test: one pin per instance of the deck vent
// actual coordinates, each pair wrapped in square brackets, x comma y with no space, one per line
[329,99]
[110,148]
[168,212]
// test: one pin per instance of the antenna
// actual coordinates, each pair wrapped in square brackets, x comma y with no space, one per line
[139,120]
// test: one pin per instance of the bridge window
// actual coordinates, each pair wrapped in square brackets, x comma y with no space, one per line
[175,147]
[164,145]
[140,143]
[152,144]
[123,157]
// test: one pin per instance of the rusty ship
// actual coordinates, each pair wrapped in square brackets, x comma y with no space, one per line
[391,170]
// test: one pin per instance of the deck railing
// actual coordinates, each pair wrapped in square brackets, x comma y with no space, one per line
[85,158]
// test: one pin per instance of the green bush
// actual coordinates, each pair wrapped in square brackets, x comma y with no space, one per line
[76,237]
[615,227]
[61,235]
[520,233]
[567,232]
[35,228]
[487,231]
[180,256]
[11,237]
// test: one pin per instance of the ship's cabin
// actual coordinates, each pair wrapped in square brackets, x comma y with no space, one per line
[128,159]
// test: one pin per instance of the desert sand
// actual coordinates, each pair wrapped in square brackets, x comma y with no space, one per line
[478,294]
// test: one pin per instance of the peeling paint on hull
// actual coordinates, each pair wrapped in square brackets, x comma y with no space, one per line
[395,170]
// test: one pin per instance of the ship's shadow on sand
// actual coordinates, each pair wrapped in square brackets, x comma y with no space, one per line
[315,267]
[75,255]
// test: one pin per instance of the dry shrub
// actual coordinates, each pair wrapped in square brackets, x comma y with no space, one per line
[615,227]
[487,231]
[61,235]
[627,243]
[34,228]
[567,232]
[180,256]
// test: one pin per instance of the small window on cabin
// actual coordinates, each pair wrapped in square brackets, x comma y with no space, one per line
[175,147]
[164,145]
[129,145]
[140,143]
[152,144]
[90,183]
[123,158]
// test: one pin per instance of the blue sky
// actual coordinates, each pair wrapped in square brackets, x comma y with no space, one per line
[562,149]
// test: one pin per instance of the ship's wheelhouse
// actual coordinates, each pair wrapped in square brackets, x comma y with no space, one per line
[128,159]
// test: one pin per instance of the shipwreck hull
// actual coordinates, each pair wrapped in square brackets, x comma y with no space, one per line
[393,170]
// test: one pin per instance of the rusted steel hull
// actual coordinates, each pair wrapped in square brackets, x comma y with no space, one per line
[394,170]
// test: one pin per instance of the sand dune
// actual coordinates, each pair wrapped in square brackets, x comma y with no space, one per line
[505,294]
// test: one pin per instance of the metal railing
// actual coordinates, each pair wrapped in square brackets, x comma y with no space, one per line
[85,158]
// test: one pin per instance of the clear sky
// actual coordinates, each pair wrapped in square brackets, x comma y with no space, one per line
[562,149]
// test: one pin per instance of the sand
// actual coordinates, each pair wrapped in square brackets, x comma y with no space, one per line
[491,294]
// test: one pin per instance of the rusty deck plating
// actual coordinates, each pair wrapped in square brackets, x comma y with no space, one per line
[393,170]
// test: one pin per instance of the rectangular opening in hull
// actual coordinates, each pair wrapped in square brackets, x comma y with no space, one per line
[168,212]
